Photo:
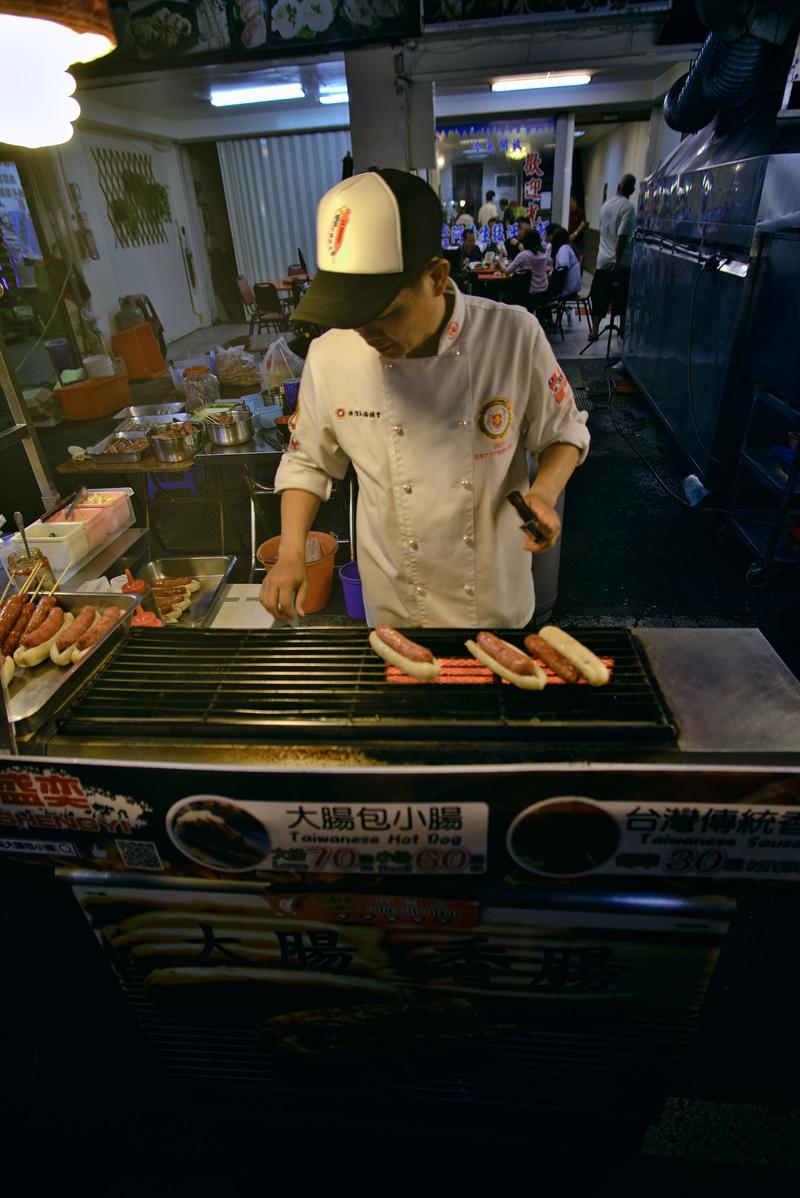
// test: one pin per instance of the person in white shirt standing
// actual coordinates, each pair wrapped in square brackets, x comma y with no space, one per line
[487,210]
[434,397]
[617,226]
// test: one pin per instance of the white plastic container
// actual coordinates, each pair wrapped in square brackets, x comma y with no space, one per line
[62,544]
[113,503]
[93,522]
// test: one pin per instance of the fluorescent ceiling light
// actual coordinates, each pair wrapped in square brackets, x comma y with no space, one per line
[225,97]
[579,133]
[334,94]
[567,79]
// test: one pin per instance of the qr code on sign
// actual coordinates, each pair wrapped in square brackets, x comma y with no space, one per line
[139,854]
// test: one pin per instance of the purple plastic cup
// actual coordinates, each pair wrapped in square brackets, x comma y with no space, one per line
[353,594]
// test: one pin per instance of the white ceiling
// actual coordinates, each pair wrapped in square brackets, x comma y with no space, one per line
[183,95]
[630,71]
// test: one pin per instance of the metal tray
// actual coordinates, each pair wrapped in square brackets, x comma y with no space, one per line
[36,694]
[143,424]
[211,572]
[99,452]
[151,409]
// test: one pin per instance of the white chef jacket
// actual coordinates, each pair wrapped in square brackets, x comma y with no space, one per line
[437,444]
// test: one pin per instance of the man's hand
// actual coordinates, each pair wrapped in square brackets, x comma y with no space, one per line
[547,516]
[283,591]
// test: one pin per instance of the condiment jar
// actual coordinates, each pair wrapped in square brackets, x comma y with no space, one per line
[201,387]
[20,566]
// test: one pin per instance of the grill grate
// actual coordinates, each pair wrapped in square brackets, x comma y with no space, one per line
[323,682]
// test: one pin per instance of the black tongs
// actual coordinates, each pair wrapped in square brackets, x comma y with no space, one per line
[530,523]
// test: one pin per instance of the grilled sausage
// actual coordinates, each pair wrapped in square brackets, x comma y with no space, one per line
[401,644]
[508,655]
[191,584]
[396,649]
[507,662]
[9,615]
[96,632]
[593,669]
[63,646]
[36,646]
[43,609]
[15,635]
[551,657]
[171,597]
[38,633]
[82,623]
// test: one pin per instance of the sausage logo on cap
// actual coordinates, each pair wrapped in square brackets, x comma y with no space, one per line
[341,219]
[494,418]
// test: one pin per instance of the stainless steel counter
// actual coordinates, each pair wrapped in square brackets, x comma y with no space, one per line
[731,695]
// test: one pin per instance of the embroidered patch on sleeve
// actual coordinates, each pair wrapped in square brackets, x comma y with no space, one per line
[559,386]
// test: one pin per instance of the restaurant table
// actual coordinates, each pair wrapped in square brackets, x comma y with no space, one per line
[489,284]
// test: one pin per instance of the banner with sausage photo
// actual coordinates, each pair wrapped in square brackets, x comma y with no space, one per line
[384,994]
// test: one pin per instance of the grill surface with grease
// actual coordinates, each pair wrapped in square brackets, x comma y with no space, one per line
[312,684]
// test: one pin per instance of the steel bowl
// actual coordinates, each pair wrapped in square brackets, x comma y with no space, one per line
[175,449]
[242,429]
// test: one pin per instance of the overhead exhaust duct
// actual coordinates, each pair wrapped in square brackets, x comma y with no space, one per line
[746,56]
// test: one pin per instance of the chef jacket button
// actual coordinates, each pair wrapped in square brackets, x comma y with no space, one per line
[387,366]
[466,483]
[456,353]
[468,589]
[407,488]
[413,545]
[420,590]
[468,541]
[463,423]
[397,428]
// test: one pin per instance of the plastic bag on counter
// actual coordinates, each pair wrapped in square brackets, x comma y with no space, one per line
[235,367]
[313,550]
[279,364]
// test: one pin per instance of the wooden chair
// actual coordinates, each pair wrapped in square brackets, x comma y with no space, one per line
[268,312]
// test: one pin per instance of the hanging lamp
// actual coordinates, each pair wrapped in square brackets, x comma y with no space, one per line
[38,41]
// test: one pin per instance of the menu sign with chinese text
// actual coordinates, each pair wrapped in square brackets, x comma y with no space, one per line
[530,824]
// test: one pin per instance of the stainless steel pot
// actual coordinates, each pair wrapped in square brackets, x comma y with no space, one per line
[175,449]
[242,429]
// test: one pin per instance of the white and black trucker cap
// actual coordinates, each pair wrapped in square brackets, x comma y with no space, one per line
[374,233]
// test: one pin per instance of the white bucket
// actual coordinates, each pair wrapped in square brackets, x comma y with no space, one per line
[98,366]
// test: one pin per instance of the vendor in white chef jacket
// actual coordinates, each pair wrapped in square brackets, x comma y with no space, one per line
[434,397]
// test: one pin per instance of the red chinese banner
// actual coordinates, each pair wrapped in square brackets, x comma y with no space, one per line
[532,185]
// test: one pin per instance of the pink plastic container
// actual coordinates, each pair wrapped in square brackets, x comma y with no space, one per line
[113,505]
[93,521]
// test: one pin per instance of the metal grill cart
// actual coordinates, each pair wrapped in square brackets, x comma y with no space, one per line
[263,872]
